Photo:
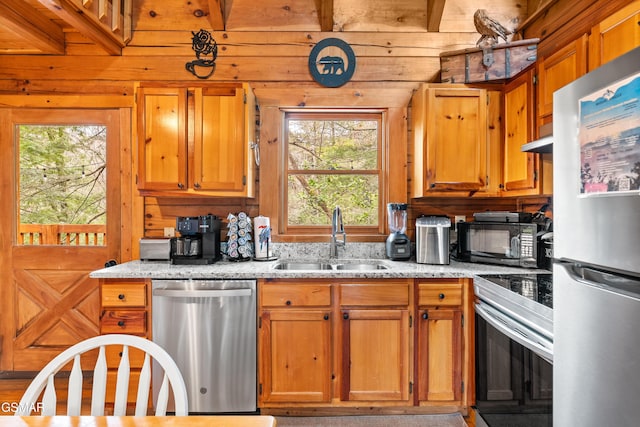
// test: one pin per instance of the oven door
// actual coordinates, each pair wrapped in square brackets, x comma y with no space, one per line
[517,331]
[513,383]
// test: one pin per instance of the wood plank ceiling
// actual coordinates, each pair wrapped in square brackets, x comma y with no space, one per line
[40,26]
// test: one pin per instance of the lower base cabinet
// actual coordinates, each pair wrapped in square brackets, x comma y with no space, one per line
[355,344]
[440,342]
[374,342]
[295,329]
[124,309]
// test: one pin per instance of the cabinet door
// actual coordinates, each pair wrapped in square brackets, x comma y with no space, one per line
[554,72]
[221,148]
[162,138]
[520,170]
[615,35]
[440,355]
[450,145]
[375,355]
[295,354]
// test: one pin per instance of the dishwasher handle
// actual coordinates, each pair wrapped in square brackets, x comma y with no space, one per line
[203,293]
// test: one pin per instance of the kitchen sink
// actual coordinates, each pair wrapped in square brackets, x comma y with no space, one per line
[359,266]
[303,266]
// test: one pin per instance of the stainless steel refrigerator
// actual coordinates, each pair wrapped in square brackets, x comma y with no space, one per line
[596,272]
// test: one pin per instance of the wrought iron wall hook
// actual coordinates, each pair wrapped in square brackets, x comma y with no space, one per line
[206,50]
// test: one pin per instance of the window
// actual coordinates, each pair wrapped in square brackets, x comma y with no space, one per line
[62,184]
[333,158]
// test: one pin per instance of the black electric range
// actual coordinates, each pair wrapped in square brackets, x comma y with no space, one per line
[514,377]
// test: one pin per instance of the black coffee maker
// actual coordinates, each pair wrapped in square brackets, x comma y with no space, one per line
[199,241]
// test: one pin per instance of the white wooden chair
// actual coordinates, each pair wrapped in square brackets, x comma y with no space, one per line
[45,379]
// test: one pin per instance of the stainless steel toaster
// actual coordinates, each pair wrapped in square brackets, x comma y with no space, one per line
[155,249]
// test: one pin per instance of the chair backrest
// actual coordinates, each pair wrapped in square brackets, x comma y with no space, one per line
[45,379]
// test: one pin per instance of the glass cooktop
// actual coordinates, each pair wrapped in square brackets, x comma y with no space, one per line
[537,287]
[525,297]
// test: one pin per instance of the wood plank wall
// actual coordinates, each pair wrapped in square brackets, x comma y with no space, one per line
[161,45]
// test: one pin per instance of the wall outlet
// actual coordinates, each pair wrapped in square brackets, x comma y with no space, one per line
[169,232]
[457,219]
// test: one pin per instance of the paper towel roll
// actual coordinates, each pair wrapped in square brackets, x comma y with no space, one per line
[262,239]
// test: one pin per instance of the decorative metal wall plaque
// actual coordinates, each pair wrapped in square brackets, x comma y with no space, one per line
[332,62]
[206,50]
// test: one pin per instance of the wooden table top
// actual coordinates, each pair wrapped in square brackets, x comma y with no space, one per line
[168,421]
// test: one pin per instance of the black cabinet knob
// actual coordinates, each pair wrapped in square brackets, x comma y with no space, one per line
[345,316]
[425,316]
[326,317]
[441,296]
[288,302]
[121,323]
[121,297]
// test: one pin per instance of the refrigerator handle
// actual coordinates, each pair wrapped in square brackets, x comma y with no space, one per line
[594,277]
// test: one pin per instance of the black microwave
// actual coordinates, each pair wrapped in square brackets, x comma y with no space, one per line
[505,243]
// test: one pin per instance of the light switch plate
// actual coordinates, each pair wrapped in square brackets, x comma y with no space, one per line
[169,232]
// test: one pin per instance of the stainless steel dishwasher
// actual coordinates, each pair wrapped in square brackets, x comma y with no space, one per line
[209,328]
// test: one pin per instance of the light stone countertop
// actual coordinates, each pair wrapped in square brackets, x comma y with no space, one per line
[360,253]
[259,270]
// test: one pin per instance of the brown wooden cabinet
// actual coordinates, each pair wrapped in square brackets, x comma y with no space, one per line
[440,346]
[555,71]
[124,309]
[348,343]
[520,171]
[295,343]
[196,140]
[449,140]
[375,342]
[615,35]
[308,360]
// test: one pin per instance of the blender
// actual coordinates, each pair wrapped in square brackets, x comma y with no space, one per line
[398,245]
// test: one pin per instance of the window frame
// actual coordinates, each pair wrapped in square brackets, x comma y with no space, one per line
[378,114]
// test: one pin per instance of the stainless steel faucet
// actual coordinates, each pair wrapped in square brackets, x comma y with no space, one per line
[337,227]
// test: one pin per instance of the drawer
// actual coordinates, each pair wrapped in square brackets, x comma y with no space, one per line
[294,295]
[124,322]
[114,355]
[124,295]
[441,294]
[367,294]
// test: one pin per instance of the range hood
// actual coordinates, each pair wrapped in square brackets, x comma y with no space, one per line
[542,145]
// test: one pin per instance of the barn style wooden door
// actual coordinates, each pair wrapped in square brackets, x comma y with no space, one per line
[47,300]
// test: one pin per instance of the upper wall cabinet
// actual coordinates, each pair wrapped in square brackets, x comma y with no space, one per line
[615,35]
[520,170]
[554,72]
[196,140]
[449,140]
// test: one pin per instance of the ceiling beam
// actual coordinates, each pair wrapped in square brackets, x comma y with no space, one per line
[216,14]
[30,24]
[434,14]
[86,24]
[325,14]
